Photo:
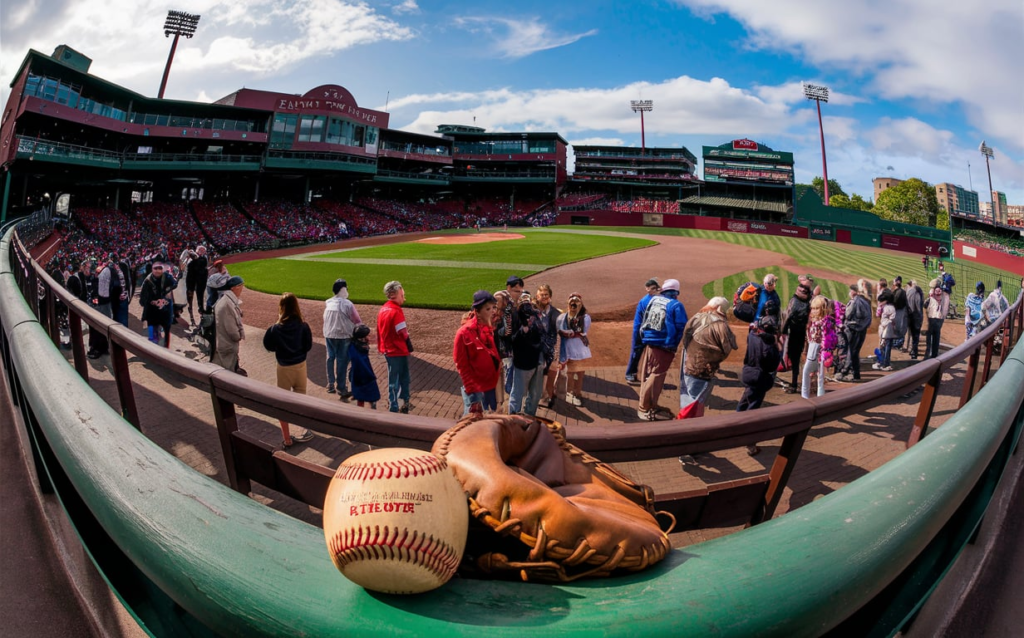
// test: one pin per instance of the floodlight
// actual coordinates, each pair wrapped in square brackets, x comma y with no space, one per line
[816,92]
[178,24]
[641,107]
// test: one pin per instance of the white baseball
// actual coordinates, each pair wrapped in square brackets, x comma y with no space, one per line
[396,520]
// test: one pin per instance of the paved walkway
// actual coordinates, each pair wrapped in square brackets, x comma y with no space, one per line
[180,419]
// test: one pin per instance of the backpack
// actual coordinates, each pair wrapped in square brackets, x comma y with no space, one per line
[744,302]
[947,283]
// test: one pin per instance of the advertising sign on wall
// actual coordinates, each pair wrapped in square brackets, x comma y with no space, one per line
[654,219]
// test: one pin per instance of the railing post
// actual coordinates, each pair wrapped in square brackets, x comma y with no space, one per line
[969,378]
[782,468]
[78,344]
[52,324]
[227,424]
[989,343]
[123,382]
[924,411]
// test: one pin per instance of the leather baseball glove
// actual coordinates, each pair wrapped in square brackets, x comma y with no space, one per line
[559,514]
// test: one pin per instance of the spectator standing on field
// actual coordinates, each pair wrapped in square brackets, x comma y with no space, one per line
[196,274]
[768,302]
[759,366]
[707,342]
[290,340]
[574,346]
[216,280]
[230,330]
[340,321]
[549,321]
[661,332]
[362,379]
[476,355]
[157,304]
[915,316]
[795,328]
[855,328]
[637,345]
[394,343]
[936,307]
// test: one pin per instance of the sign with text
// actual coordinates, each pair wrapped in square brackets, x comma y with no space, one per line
[654,219]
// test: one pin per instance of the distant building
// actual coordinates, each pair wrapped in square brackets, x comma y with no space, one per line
[1015,215]
[959,201]
[999,215]
[883,184]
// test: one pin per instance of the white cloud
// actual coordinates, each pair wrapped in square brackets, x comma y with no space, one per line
[408,6]
[598,141]
[518,38]
[910,49]
[681,104]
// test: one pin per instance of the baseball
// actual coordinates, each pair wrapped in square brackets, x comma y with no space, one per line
[395,520]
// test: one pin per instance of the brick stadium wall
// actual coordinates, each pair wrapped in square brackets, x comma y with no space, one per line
[988,257]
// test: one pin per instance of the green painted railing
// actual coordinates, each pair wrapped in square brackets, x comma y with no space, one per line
[861,559]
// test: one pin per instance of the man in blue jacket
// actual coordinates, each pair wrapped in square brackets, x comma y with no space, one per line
[768,303]
[661,331]
[653,288]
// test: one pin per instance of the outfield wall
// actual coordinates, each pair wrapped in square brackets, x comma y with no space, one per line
[692,222]
[859,237]
[987,256]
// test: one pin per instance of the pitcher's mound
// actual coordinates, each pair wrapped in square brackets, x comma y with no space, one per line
[478,238]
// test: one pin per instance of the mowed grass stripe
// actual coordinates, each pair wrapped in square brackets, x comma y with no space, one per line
[452,274]
[536,247]
[432,263]
[439,288]
[826,255]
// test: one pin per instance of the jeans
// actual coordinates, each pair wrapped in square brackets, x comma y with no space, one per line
[337,363]
[634,358]
[398,381]
[886,351]
[529,383]
[811,366]
[794,348]
[506,373]
[915,333]
[120,309]
[855,341]
[488,399]
[931,343]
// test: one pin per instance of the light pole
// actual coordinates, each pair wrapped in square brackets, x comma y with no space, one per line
[987,152]
[819,94]
[642,106]
[178,23]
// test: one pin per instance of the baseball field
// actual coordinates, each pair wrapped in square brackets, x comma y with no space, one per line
[440,272]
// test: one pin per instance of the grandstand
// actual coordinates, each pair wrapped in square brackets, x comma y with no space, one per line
[744,179]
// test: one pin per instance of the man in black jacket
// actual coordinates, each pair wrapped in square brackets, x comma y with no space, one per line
[195,279]
[899,302]
[795,328]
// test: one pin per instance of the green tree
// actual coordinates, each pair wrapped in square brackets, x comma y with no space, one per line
[942,219]
[834,189]
[855,202]
[911,201]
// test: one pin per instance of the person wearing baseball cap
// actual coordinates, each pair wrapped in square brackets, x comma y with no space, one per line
[157,300]
[661,331]
[227,315]
[637,347]
[476,356]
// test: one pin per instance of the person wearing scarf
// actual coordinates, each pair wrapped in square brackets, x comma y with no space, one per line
[573,326]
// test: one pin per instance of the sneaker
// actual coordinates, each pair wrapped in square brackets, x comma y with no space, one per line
[330,388]
[886,369]
[753,450]
[572,399]
[632,381]
[405,408]
[791,389]
[876,366]
[644,415]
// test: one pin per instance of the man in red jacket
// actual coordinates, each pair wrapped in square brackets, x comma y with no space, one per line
[476,356]
[393,342]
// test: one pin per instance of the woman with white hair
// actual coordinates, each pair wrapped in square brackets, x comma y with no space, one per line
[707,342]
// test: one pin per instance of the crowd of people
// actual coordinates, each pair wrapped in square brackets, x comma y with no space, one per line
[1010,245]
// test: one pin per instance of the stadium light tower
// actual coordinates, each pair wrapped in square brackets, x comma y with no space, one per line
[819,94]
[987,152]
[178,24]
[641,107]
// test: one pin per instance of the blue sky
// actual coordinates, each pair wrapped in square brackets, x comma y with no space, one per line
[916,84]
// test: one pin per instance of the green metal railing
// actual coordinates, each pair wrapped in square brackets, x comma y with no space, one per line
[860,560]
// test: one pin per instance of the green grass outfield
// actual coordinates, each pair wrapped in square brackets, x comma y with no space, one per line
[840,258]
[433,275]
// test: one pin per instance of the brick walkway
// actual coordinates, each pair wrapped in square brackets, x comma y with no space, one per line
[180,419]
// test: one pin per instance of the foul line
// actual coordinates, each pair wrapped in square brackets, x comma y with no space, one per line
[428,263]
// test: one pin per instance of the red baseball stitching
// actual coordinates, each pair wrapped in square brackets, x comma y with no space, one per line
[401,468]
[384,543]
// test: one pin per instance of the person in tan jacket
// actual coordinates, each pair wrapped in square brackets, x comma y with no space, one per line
[707,342]
[230,331]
